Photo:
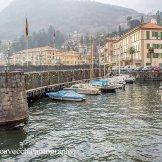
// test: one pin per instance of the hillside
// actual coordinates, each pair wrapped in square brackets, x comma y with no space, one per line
[65,15]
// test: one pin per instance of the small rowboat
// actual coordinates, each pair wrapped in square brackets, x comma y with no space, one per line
[66,96]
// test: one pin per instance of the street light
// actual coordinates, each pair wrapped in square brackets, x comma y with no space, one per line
[7,57]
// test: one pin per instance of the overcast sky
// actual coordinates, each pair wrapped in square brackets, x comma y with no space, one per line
[139,5]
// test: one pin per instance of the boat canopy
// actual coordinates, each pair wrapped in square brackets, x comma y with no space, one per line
[99,82]
[63,93]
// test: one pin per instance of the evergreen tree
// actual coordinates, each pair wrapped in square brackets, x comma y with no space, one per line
[142,19]
[39,39]
[120,30]
[158,17]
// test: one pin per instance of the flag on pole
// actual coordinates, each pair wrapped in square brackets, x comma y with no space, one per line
[54,35]
[26,28]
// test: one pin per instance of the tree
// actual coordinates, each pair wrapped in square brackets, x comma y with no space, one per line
[132,51]
[39,39]
[142,19]
[120,30]
[133,23]
[151,53]
[51,34]
[158,19]
[129,18]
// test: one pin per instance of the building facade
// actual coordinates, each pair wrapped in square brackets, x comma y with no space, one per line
[48,56]
[132,48]
[2,62]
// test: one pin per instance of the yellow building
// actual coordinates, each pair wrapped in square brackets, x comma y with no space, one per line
[48,56]
[138,40]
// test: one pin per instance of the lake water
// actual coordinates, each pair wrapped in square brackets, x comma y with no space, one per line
[122,127]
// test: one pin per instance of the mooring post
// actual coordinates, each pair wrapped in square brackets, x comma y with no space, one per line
[13,100]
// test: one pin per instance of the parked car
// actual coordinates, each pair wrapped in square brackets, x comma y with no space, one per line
[152,69]
[156,69]
[138,69]
[147,68]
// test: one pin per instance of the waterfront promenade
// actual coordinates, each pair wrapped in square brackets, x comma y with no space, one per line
[18,87]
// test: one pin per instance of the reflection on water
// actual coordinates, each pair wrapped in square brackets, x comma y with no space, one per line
[126,126]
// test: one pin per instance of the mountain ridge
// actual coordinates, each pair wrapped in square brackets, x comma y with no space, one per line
[65,15]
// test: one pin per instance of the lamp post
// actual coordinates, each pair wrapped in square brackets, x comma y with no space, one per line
[7,67]
[120,59]
[40,59]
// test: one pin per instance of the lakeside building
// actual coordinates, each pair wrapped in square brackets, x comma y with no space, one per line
[48,56]
[140,39]
[2,62]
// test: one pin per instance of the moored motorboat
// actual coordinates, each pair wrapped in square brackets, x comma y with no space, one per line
[84,89]
[66,96]
[118,82]
[130,80]
[160,88]
[103,85]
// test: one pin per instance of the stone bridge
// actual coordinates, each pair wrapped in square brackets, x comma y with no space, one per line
[39,83]
[17,87]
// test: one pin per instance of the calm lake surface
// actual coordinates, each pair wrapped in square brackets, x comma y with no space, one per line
[121,127]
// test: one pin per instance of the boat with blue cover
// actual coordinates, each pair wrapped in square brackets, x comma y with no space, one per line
[66,96]
[103,85]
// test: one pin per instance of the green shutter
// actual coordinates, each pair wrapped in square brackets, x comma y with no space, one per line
[148,46]
[147,34]
[155,55]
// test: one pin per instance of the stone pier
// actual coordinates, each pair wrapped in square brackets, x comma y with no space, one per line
[13,100]
[148,76]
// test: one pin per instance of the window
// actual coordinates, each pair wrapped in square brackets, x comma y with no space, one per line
[157,46]
[154,46]
[156,34]
[148,35]
[155,55]
[153,34]
[148,55]
[148,46]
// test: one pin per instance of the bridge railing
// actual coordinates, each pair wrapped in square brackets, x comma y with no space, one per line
[35,80]
[31,68]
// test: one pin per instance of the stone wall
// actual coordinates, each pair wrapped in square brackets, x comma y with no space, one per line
[148,76]
[13,101]
[43,79]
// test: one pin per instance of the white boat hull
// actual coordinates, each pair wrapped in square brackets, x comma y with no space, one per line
[85,91]
[68,99]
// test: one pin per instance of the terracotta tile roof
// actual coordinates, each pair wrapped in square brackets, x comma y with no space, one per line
[151,26]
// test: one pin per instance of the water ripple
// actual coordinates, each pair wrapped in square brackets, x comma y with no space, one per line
[121,127]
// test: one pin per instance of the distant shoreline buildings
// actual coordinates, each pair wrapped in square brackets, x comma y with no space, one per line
[130,49]
[48,56]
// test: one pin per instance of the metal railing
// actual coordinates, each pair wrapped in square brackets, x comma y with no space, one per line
[47,68]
